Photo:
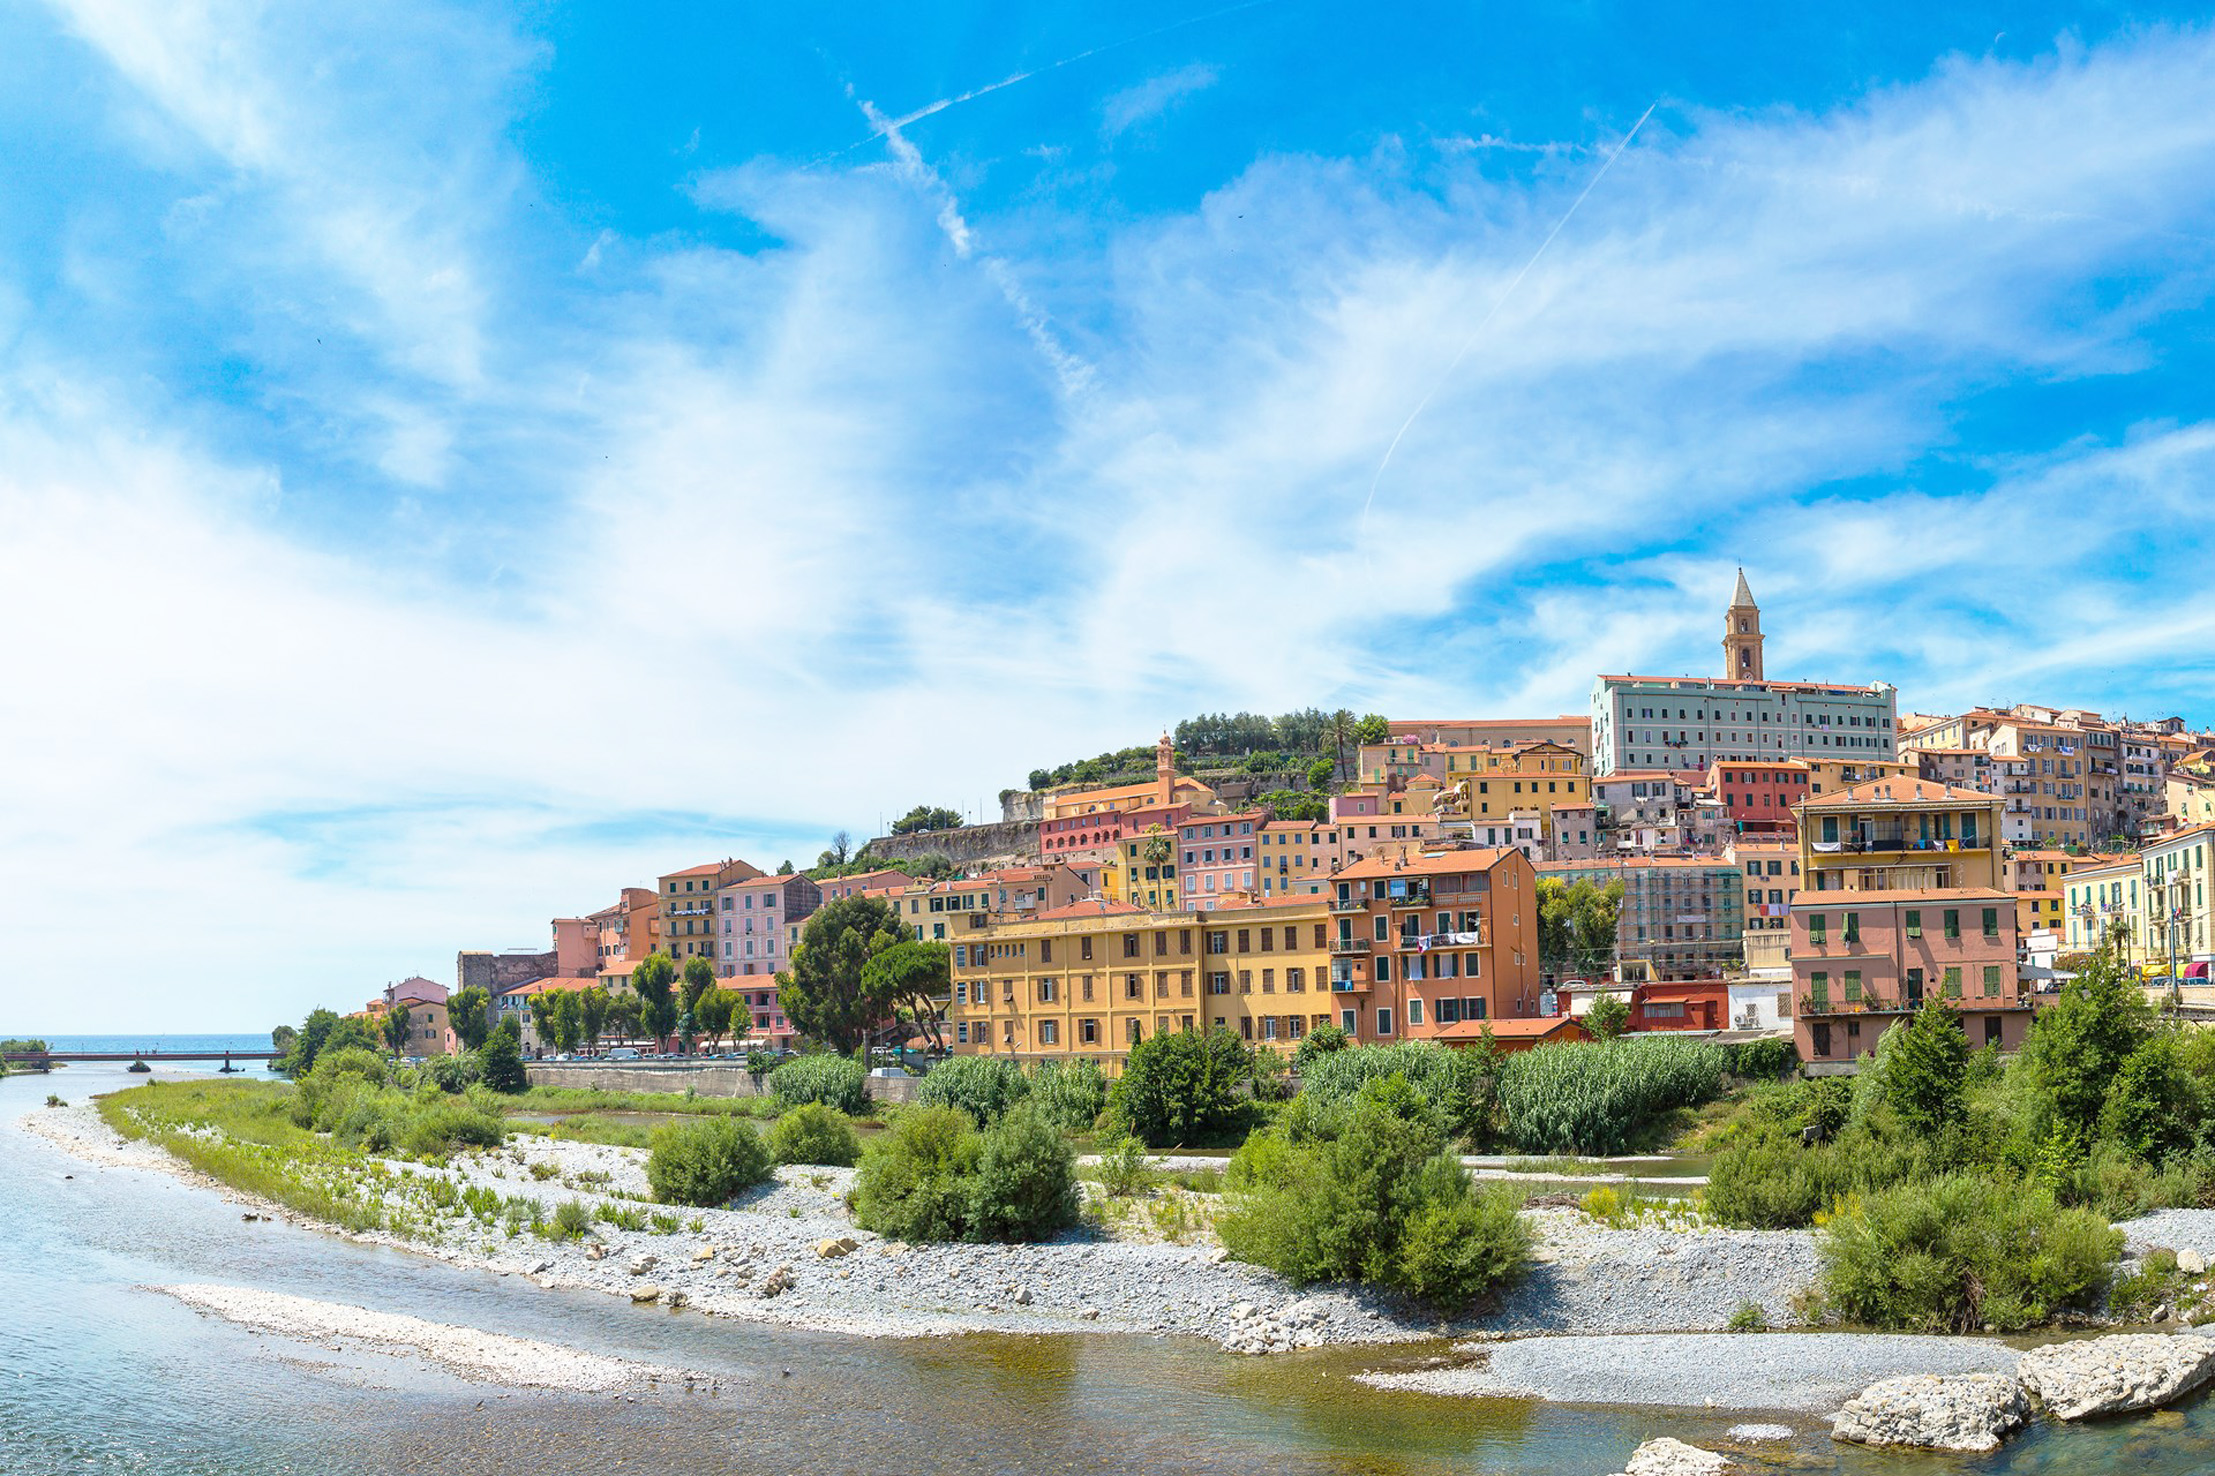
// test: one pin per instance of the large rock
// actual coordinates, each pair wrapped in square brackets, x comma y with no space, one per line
[2110,1375]
[1934,1411]
[1667,1457]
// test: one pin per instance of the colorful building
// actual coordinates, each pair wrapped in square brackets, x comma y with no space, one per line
[1862,960]
[758,920]
[1682,916]
[1218,857]
[1167,791]
[688,906]
[1758,795]
[1298,857]
[1900,834]
[1426,941]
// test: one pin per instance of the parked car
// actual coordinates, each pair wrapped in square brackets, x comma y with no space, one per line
[623,1053]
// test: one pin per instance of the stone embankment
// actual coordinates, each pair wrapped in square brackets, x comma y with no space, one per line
[1963,1412]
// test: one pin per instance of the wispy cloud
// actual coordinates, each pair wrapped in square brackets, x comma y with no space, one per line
[1153,97]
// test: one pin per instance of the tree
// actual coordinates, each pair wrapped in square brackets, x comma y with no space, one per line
[307,1043]
[784,867]
[592,1006]
[503,1058]
[1576,926]
[2078,1046]
[1319,774]
[542,1017]
[714,1011]
[927,817]
[1606,1016]
[281,1039]
[1372,729]
[569,1020]
[825,993]
[470,1011]
[699,978]
[654,979]
[624,1014]
[1923,1074]
[841,851]
[913,976]
[1182,1086]
[395,1029]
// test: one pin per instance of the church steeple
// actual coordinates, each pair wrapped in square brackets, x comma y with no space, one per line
[1165,772]
[1742,635]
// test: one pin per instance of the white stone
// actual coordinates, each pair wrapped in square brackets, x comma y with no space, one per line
[1667,1457]
[1934,1411]
[2111,1375]
[2191,1262]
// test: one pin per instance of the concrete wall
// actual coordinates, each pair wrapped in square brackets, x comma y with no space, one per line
[496,973]
[717,1080]
[966,845]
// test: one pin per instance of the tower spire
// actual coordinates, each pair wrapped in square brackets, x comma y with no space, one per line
[1742,634]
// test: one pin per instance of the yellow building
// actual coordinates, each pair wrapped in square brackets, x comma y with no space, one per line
[1828,776]
[1900,834]
[1089,980]
[1492,783]
[2040,882]
[2189,798]
[2104,901]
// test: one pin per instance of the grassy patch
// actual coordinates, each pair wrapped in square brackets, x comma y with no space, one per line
[595,1099]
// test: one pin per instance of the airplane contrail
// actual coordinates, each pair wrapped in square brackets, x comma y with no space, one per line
[894,125]
[1499,302]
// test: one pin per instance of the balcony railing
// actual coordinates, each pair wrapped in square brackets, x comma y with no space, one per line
[1884,844]
[1415,897]
[1866,1005]
[1351,945]
[1350,904]
[1471,938]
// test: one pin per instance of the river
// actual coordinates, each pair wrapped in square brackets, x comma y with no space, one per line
[98,1374]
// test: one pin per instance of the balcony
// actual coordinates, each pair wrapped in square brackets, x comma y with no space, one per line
[1472,938]
[701,909]
[1415,897]
[1350,904]
[1867,845]
[1351,945]
[1867,1005]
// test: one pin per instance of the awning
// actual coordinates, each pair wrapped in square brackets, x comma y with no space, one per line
[2195,971]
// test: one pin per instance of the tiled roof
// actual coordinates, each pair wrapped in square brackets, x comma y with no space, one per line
[1088,907]
[1430,862]
[1898,789]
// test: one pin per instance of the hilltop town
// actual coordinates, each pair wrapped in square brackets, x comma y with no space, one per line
[1763,857]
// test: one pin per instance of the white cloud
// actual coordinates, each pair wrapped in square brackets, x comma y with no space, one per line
[824,530]
[1154,97]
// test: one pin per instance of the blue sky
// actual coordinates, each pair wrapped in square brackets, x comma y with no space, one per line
[459,460]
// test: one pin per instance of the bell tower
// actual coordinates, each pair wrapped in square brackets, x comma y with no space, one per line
[1742,635]
[1165,772]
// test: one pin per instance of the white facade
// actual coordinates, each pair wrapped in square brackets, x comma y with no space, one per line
[1690,722]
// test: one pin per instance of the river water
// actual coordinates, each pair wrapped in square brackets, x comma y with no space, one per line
[99,1374]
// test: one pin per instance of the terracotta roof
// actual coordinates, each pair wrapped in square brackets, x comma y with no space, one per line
[1089,907]
[1898,789]
[709,869]
[1535,1028]
[1431,863]
[549,986]
[1613,863]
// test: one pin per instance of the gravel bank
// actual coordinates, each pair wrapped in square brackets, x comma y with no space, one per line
[1753,1371]
[493,1358]
[2178,1229]
[758,1260]
[1589,1278]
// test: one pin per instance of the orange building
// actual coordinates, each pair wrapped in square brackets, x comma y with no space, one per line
[1428,940]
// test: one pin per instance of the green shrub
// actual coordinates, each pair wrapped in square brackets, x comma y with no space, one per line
[914,1181]
[434,1128]
[1370,1195]
[571,1221]
[1072,1094]
[1748,1318]
[335,1073]
[982,1086]
[1963,1252]
[815,1134]
[1025,1186]
[1125,1171]
[1446,1079]
[1454,1250]
[455,1074]
[1589,1097]
[1182,1087]
[500,1059]
[834,1081]
[705,1161]
[1321,1041]
[1761,1060]
[1772,1181]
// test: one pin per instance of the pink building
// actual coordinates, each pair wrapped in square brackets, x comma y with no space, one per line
[1864,959]
[1217,856]
[577,947]
[864,884]
[757,923]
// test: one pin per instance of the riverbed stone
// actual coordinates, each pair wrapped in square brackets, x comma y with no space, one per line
[645,1294]
[2191,1262]
[1669,1457]
[2111,1375]
[1971,1412]
[836,1246]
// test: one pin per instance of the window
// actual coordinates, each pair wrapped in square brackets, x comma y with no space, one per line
[1084,949]
[1991,923]
[1953,923]
[1818,930]
[1853,986]
[1134,987]
[1415,1011]
[1991,982]
[1049,1032]
[1953,981]
[1088,1032]
[1853,927]
[1914,923]
[1818,985]
[1384,1020]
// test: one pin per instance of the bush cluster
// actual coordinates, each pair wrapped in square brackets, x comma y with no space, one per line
[1371,1194]
[1589,1098]
[1962,1252]
[1185,1088]
[934,1176]
[350,1094]
[705,1161]
[1072,1094]
[982,1086]
[1451,1082]
[834,1081]
[815,1134]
